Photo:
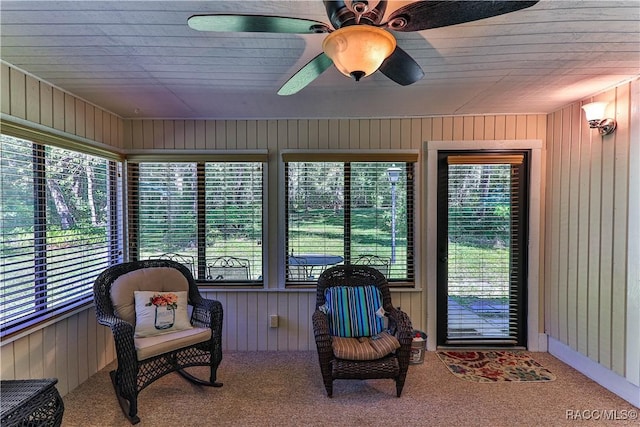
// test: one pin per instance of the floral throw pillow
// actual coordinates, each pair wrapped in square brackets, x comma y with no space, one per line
[160,312]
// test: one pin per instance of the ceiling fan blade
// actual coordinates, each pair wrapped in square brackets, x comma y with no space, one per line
[401,68]
[306,75]
[256,24]
[423,15]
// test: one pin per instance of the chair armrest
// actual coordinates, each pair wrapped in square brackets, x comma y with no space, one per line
[400,325]
[321,331]
[123,333]
[207,313]
[120,328]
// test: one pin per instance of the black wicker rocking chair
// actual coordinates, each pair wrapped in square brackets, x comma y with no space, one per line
[394,365]
[133,372]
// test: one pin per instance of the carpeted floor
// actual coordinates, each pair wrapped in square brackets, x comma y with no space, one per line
[285,389]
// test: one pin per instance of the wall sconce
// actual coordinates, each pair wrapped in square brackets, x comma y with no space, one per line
[594,113]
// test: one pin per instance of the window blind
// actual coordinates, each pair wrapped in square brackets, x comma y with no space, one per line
[234,209]
[60,228]
[350,213]
[165,211]
[206,215]
[315,216]
[484,254]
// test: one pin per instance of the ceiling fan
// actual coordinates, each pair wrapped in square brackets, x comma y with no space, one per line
[359,41]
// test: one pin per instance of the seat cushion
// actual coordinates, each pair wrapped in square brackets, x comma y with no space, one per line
[159,279]
[354,311]
[365,348]
[160,344]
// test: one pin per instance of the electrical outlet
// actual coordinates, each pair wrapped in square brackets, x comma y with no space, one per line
[273,321]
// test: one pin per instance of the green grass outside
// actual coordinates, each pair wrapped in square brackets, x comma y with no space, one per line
[478,274]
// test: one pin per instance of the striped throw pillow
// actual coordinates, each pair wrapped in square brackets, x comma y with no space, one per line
[352,311]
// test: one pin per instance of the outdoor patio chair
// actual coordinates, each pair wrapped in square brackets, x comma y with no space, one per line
[146,305]
[229,268]
[379,263]
[297,269]
[186,260]
[363,348]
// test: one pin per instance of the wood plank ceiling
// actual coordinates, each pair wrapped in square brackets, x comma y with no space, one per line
[140,59]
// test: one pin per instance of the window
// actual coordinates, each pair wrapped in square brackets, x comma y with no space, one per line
[356,212]
[206,215]
[60,228]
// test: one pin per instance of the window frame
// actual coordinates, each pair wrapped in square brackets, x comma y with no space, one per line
[411,157]
[429,254]
[200,160]
[40,140]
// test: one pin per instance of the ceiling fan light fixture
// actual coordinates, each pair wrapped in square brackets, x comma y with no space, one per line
[358,50]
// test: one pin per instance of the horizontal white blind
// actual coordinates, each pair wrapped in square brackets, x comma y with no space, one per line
[381,217]
[481,221]
[349,213]
[199,214]
[166,212]
[234,212]
[315,218]
[60,227]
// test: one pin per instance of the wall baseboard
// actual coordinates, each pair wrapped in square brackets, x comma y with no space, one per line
[598,373]
[543,343]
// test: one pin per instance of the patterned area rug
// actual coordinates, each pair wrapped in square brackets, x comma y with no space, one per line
[494,366]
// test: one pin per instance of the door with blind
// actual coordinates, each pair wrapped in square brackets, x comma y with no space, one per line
[482,248]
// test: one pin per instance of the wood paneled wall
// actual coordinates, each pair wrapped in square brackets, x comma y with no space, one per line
[326,134]
[26,97]
[246,318]
[71,350]
[590,298]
